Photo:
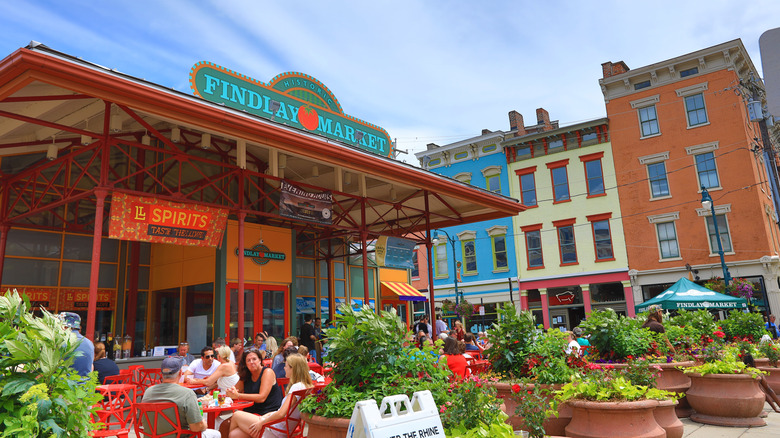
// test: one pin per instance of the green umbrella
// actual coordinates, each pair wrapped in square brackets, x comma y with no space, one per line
[686,294]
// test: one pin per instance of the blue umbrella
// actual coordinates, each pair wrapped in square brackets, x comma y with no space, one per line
[686,294]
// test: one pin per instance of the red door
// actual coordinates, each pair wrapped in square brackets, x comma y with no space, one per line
[266,306]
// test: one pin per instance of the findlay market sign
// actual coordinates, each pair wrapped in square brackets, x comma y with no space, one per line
[260,254]
[294,99]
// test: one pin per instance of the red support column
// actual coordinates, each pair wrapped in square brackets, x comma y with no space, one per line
[586,299]
[523,300]
[94,274]
[241,217]
[428,244]
[545,308]
[3,240]
[629,293]
[331,282]
[132,290]
[364,251]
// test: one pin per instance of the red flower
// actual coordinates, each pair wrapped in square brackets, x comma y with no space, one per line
[516,388]
[719,334]
[515,342]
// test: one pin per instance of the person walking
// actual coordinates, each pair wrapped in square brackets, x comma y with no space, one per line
[85,351]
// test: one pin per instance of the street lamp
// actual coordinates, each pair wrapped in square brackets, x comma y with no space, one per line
[437,240]
[706,202]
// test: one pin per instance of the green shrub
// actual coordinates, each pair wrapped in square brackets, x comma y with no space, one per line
[40,395]
[547,362]
[741,325]
[511,339]
[699,320]
[616,336]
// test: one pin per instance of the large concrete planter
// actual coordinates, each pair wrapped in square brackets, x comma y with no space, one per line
[634,419]
[666,417]
[552,426]
[726,399]
[321,427]
[772,376]
[673,378]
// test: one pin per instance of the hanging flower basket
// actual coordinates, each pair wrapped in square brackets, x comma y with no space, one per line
[447,306]
[464,309]
[739,287]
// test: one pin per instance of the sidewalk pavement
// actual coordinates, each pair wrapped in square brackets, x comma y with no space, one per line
[771,430]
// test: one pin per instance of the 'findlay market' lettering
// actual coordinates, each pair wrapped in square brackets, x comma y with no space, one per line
[252,99]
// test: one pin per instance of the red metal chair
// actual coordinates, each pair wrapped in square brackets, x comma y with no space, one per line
[317,368]
[479,367]
[282,382]
[159,420]
[149,377]
[115,410]
[294,426]
[119,379]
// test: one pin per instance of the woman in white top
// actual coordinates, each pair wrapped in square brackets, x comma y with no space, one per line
[246,425]
[226,375]
[573,346]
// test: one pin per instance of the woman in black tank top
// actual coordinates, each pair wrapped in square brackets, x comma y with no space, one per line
[257,384]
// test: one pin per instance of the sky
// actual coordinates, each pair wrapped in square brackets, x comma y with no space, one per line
[426,71]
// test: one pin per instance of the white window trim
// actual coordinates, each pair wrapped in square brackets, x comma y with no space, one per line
[713,251]
[693,89]
[719,209]
[664,217]
[654,158]
[717,169]
[661,259]
[685,107]
[646,101]
[491,171]
[467,235]
[463,177]
[639,120]
[702,148]
[497,230]
[650,184]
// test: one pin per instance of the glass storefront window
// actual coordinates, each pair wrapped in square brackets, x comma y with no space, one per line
[165,317]
[28,243]
[607,292]
[304,267]
[29,272]
[200,302]
[76,274]
[139,343]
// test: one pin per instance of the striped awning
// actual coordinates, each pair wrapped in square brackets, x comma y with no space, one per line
[404,291]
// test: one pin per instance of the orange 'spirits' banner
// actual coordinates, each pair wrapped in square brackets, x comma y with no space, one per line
[41,297]
[155,220]
[78,299]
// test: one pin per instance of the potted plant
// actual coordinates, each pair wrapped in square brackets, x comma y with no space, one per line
[771,351]
[533,406]
[743,326]
[607,404]
[464,309]
[725,392]
[40,395]
[474,411]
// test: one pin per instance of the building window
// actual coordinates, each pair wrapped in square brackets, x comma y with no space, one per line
[659,185]
[594,175]
[493,183]
[560,180]
[440,260]
[640,85]
[499,253]
[464,177]
[415,263]
[689,72]
[566,243]
[667,240]
[533,246]
[723,229]
[527,186]
[469,257]
[602,239]
[694,107]
[708,172]
[648,120]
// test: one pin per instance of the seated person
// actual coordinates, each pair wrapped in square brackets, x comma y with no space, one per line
[169,390]
[225,376]
[456,362]
[279,368]
[103,365]
[246,425]
[202,368]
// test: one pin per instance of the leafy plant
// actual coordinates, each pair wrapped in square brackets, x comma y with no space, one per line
[472,404]
[728,365]
[699,320]
[40,395]
[533,407]
[607,384]
[639,371]
[493,430]
[464,308]
[616,336]
[743,325]
[448,306]
[547,362]
[373,359]
[771,351]
[510,340]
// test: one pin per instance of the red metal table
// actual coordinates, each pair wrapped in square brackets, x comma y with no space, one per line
[212,411]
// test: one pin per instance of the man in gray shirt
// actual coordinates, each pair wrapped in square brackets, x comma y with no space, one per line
[170,391]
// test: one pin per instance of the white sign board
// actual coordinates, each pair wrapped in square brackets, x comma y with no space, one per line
[397,417]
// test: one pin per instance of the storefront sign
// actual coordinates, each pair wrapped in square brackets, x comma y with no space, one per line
[294,99]
[394,252]
[300,204]
[562,298]
[260,254]
[155,220]
[78,299]
[41,297]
